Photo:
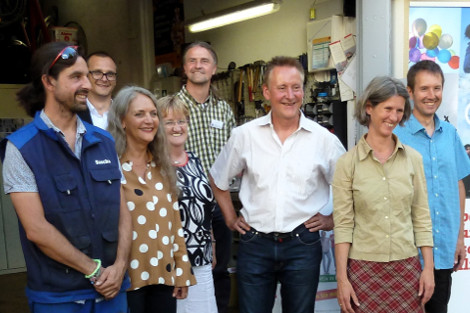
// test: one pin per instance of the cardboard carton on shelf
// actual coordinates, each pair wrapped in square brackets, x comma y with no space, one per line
[67,34]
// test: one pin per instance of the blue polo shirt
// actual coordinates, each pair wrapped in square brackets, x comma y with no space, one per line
[445,163]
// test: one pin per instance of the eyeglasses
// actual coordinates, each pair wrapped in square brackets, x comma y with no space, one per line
[67,53]
[171,124]
[111,76]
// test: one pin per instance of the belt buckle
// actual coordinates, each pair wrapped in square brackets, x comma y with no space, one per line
[277,237]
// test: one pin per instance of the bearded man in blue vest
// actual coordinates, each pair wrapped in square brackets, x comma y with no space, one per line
[64,180]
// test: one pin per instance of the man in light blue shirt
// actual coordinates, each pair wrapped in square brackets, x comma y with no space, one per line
[445,164]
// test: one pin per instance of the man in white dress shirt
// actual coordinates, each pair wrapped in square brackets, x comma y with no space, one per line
[287,163]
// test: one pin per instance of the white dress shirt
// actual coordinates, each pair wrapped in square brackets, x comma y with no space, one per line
[283,184]
[98,120]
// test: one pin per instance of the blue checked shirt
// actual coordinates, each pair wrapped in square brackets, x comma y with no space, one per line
[445,163]
[210,125]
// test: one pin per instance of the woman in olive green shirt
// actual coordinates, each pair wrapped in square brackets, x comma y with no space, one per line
[381,212]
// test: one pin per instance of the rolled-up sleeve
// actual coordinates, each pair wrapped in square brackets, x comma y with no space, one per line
[420,214]
[343,204]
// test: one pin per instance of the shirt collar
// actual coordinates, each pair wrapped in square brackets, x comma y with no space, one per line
[80,126]
[415,126]
[91,107]
[264,120]
[190,97]
[364,150]
[304,122]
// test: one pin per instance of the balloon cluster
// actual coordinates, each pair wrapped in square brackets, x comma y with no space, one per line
[431,44]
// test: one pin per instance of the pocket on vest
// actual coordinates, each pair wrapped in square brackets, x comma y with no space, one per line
[110,243]
[66,184]
[108,182]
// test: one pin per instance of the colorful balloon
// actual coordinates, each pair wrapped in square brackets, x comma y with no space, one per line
[413,42]
[420,42]
[454,62]
[432,53]
[446,41]
[430,41]
[419,27]
[414,55]
[424,56]
[444,56]
[436,29]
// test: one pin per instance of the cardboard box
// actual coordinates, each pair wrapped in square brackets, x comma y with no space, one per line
[67,34]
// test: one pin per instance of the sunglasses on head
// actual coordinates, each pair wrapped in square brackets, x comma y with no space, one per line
[67,53]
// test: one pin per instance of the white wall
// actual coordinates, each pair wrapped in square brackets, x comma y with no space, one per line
[281,33]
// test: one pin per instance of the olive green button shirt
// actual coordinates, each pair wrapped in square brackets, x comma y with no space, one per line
[381,209]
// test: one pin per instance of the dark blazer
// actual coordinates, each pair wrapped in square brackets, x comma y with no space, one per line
[85,116]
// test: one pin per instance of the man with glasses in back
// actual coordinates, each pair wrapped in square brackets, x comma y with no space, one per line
[64,180]
[102,75]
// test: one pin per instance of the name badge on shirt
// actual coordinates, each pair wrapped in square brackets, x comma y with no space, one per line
[217,124]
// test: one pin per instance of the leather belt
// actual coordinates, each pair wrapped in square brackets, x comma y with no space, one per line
[280,237]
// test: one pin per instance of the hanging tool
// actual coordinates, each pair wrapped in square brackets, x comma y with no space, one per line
[258,77]
[249,78]
[238,90]
[240,87]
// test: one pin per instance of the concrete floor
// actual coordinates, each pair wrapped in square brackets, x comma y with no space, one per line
[12,296]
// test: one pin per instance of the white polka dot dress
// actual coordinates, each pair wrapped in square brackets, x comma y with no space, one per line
[157,256]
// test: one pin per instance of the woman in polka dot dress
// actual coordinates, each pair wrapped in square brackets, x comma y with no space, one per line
[196,202]
[159,268]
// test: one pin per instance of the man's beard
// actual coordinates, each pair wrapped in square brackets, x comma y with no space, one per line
[78,108]
[75,107]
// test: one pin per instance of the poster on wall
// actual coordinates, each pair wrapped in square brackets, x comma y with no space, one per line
[441,33]
[325,300]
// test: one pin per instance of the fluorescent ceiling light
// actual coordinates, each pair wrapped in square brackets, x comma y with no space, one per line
[232,15]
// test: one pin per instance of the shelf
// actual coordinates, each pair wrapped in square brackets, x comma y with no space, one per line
[323,69]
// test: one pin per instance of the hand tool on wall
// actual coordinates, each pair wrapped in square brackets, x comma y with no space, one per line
[239,96]
[249,78]
[258,76]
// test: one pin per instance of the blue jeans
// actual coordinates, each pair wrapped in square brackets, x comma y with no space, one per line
[294,262]
[116,305]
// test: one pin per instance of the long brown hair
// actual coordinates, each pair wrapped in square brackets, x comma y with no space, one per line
[158,147]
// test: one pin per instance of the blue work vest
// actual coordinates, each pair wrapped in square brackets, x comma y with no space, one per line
[80,197]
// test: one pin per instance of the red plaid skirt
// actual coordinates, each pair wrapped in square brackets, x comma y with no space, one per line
[386,287]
